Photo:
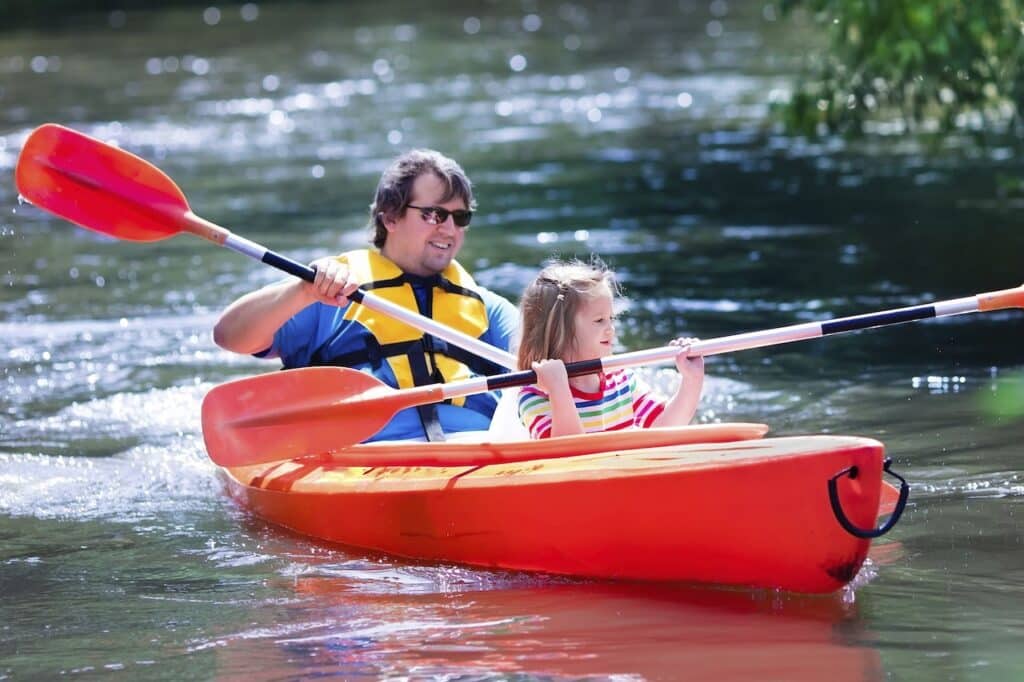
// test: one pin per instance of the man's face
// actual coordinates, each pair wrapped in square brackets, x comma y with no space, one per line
[415,245]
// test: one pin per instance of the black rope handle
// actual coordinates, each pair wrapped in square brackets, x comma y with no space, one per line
[844,521]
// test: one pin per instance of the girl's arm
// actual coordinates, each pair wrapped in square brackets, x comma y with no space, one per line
[553,380]
[679,410]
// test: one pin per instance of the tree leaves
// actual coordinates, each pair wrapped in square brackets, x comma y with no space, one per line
[941,64]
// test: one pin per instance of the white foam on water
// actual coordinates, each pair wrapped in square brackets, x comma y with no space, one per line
[157,461]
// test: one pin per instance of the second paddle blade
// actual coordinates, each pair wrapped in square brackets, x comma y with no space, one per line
[282,415]
[98,186]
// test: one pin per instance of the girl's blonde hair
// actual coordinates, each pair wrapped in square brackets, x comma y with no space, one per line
[547,309]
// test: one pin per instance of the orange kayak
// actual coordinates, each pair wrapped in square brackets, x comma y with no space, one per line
[706,504]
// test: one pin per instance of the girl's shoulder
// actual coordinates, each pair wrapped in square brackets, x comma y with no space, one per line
[617,377]
[528,392]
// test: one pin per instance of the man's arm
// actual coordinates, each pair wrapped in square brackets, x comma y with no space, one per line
[248,325]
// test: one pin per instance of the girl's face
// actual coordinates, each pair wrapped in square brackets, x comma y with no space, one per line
[593,328]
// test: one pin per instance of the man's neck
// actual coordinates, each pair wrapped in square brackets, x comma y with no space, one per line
[408,268]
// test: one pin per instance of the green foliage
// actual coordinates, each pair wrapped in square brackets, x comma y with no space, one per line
[1006,399]
[930,64]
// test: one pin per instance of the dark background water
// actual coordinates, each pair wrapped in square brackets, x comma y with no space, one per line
[641,132]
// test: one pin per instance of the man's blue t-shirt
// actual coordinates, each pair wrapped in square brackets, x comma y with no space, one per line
[301,336]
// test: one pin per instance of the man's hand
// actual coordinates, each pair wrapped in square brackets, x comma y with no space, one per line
[333,283]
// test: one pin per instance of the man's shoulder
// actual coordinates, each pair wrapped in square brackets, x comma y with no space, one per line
[503,319]
[494,300]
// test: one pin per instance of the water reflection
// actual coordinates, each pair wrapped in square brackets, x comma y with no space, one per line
[597,631]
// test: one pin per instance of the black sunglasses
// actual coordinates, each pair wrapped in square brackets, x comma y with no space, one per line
[435,215]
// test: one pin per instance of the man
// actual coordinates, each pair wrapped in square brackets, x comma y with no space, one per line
[423,205]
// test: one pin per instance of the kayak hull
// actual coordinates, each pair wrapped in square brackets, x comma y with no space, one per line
[748,512]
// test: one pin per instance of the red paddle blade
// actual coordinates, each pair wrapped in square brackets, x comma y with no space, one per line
[282,415]
[98,186]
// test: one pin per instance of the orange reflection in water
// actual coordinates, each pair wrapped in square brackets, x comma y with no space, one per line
[557,629]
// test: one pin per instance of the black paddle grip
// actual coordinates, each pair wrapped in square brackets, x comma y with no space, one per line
[278,261]
[528,376]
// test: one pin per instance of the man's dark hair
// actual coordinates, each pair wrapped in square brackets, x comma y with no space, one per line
[395,187]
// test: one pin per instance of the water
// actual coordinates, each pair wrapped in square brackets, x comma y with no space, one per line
[629,130]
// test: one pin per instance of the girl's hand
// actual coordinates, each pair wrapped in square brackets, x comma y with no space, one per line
[551,374]
[333,284]
[682,406]
[554,380]
[690,368]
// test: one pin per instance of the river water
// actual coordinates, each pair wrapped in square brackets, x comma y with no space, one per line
[638,131]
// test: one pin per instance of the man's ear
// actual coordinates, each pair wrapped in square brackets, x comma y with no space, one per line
[389,223]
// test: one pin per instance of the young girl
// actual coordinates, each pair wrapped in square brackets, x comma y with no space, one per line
[566,316]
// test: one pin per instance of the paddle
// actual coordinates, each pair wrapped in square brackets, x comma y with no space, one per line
[324,409]
[319,409]
[314,410]
[108,190]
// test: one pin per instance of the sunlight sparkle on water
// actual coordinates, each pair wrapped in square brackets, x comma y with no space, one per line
[939,384]
[250,11]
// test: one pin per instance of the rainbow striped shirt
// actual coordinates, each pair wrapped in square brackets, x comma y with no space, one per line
[620,403]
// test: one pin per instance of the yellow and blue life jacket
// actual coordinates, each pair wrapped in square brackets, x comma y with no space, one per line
[396,352]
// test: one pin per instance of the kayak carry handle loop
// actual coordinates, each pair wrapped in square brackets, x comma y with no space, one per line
[848,526]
